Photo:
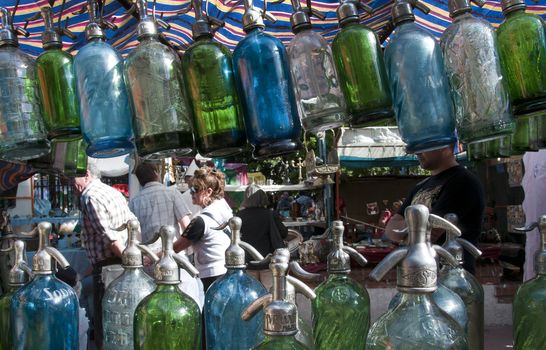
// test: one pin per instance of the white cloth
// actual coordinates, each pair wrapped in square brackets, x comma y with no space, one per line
[209,251]
[534,205]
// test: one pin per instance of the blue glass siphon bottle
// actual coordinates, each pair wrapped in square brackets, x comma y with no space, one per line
[419,86]
[44,313]
[267,95]
[228,297]
[105,109]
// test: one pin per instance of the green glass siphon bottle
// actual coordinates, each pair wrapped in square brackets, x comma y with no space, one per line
[168,318]
[55,72]
[341,310]
[360,66]
[530,300]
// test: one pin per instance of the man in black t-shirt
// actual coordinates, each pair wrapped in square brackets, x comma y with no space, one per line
[450,189]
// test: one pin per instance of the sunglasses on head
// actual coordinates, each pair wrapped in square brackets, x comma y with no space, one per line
[193,190]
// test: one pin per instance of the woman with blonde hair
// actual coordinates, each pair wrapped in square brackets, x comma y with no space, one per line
[209,245]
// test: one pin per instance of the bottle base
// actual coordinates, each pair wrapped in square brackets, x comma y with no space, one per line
[164,145]
[109,148]
[25,150]
[430,145]
[530,132]
[324,122]
[529,105]
[269,150]
[65,134]
[371,117]
[221,145]
[470,134]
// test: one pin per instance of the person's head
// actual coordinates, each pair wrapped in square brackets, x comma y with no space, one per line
[437,160]
[147,172]
[255,197]
[93,172]
[396,205]
[207,185]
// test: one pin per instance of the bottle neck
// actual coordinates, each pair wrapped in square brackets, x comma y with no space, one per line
[421,299]
[167,288]
[515,12]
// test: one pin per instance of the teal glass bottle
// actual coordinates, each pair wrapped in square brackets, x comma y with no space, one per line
[18,277]
[522,50]
[341,310]
[153,72]
[361,69]
[125,292]
[462,282]
[210,82]
[55,68]
[481,101]
[168,318]
[320,100]
[45,312]
[417,322]
[280,316]
[105,109]
[419,85]
[23,135]
[267,95]
[530,300]
[228,297]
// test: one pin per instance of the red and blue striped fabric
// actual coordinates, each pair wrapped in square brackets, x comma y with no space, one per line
[231,12]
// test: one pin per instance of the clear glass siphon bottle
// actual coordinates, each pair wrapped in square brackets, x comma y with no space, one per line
[530,300]
[23,135]
[168,318]
[341,310]
[481,101]
[153,71]
[417,322]
[45,312]
[124,293]
[320,100]
[18,277]
[281,316]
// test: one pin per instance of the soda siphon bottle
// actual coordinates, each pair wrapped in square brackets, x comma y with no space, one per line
[105,109]
[341,310]
[153,72]
[446,299]
[124,293]
[530,300]
[69,157]
[168,318]
[320,100]
[281,316]
[23,134]
[522,51]
[417,322]
[359,62]
[293,285]
[208,73]
[55,68]
[419,86]
[267,95]
[465,285]
[18,277]
[228,297]
[481,101]
[44,313]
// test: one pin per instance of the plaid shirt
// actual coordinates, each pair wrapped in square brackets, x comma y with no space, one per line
[157,205]
[103,209]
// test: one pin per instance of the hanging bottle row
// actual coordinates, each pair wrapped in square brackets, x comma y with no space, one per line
[477,85]
[434,309]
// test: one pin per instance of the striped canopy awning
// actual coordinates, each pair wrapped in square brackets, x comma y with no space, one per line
[230,11]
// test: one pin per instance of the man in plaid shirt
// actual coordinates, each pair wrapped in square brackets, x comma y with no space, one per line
[103,210]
